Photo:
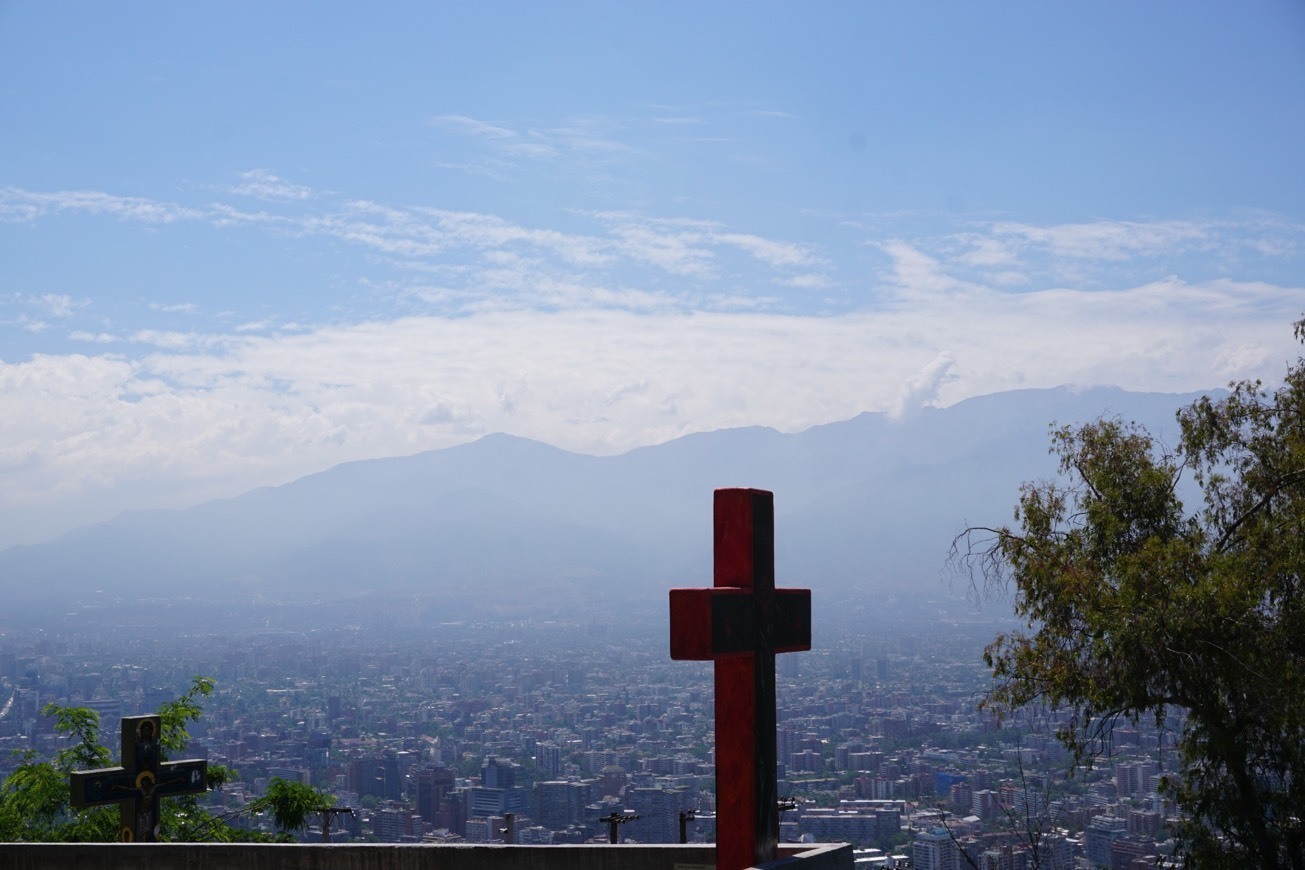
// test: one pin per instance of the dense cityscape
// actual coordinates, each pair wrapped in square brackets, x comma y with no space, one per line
[545,730]
[652,436]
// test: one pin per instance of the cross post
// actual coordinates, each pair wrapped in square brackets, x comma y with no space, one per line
[142,779]
[739,624]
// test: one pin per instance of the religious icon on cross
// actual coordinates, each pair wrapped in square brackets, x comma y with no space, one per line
[140,782]
[740,624]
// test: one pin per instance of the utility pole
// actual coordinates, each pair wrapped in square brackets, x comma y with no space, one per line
[327,812]
[613,819]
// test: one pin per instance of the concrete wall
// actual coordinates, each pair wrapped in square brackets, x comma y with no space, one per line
[194,856]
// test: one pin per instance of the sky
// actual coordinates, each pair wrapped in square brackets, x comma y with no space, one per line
[244,242]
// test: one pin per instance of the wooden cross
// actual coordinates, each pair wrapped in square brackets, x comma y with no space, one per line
[740,624]
[140,782]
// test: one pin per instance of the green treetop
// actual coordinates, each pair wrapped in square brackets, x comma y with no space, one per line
[1134,605]
[34,799]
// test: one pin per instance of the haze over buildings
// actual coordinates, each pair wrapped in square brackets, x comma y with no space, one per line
[380,361]
[510,528]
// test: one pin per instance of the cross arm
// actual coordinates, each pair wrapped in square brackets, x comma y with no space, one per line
[718,622]
[105,785]
[182,777]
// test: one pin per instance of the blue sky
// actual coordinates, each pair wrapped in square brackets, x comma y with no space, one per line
[242,242]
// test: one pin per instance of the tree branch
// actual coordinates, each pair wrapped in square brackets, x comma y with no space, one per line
[1287,480]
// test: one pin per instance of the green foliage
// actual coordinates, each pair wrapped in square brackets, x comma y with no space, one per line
[34,807]
[291,803]
[1134,606]
[82,724]
[34,799]
[174,715]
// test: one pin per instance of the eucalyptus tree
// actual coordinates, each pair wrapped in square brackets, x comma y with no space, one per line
[1134,605]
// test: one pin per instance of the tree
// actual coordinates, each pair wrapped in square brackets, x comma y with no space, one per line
[34,799]
[1134,606]
[291,803]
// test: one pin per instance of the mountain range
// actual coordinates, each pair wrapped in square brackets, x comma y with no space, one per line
[864,507]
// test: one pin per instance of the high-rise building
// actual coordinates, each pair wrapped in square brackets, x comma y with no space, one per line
[828,825]
[1136,778]
[1055,852]
[935,850]
[560,803]
[498,774]
[984,803]
[1126,850]
[1144,822]
[378,777]
[1099,834]
[432,786]
[498,792]
[1028,803]
[548,760]
[659,813]
[482,801]
[394,823]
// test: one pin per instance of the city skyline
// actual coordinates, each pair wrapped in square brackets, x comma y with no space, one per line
[432,735]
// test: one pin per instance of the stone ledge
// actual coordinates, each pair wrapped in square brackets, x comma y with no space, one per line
[384,856]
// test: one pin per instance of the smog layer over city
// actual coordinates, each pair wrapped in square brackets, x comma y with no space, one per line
[367,374]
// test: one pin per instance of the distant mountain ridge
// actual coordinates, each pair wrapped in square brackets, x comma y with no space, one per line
[864,506]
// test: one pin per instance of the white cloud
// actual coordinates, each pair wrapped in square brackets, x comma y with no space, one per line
[222,413]
[986,251]
[18,204]
[917,275]
[620,330]
[474,127]
[174,341]
[924,387]
[1100,240]
[56,304]
[586,141]
[531,145]
[678,253]
[771,252]
[265,185]
[806,282]
[47,306]
[93,337]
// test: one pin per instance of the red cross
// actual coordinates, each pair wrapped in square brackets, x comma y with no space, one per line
[739,624]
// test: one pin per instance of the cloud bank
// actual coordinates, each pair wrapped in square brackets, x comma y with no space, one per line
[616,331]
